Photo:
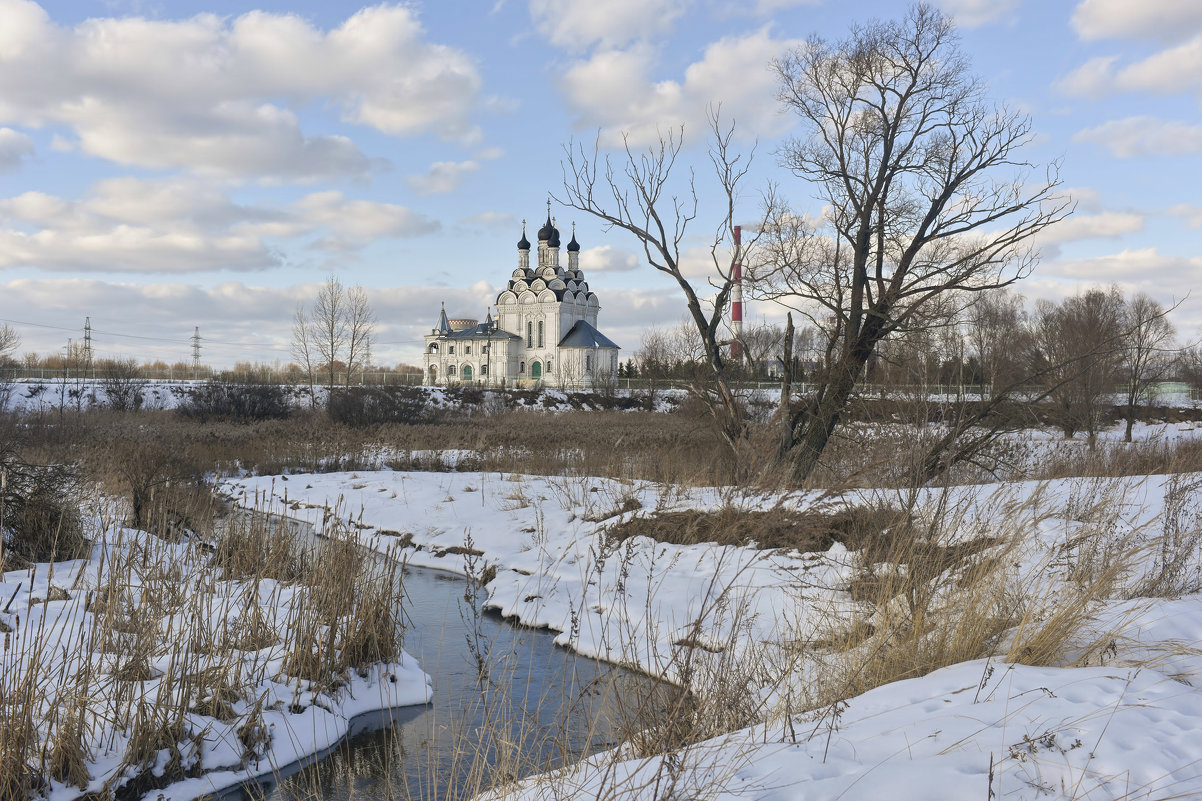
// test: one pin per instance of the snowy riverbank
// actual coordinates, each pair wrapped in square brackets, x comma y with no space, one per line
[144,666]
[1112,718]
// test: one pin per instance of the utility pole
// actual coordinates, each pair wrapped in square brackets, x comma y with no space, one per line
[195,353]
[87,343]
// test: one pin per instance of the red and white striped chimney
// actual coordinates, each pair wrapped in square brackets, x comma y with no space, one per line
[736,298]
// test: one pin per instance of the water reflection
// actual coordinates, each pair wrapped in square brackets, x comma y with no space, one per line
[507,703]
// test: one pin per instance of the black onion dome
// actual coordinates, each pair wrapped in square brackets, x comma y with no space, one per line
[548,230]
[523,243]
[554,238]
[573,246]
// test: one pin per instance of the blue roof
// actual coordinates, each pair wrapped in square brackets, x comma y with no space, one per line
[583,335]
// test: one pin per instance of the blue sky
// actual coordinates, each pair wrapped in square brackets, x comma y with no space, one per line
[171,165]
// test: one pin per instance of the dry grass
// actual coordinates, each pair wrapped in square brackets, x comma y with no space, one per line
[158,632]
[934,586]
[810,530]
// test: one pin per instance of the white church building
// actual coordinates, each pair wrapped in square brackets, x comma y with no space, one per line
[545,329]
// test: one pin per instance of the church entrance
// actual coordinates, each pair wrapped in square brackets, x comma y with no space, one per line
[467,372]
[536,370]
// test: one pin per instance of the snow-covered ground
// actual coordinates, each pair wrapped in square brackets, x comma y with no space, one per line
[1123,722]
[58,656]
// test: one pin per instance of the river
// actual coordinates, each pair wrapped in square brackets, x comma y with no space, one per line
[508,702]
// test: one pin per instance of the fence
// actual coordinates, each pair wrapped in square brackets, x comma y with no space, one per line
[48,375]
[1166,392]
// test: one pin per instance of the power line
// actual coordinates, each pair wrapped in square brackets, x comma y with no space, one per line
[168,340]
[192,340]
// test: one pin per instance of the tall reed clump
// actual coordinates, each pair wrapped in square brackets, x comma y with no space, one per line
[952,582]
[350,613]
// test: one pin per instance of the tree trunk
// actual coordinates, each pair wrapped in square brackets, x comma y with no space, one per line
[786,393]
[824,415]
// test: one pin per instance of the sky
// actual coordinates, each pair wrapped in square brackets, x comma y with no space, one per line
[172,166]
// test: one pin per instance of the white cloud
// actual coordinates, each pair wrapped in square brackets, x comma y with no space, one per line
[216,96]
[442,177]
[1107,224]
[240,321]
[614,90]
[578,24]
[1148,19]
[1093,79]
[608,259]
[628,313]
[1173,24]
[1133,267]
[1178,69]
[766,8]
[183,225]
[1086,198]
[15,147]
[975,13]
[1191,213]
[1145,136]
[362,220]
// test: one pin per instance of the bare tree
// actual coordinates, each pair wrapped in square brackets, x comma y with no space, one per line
[10,340]
[994,326]
[1187,366]
[360,329]
[1079,343]
[339,331]
[762,345]
[1147,356]
[329,332]
[303,350]
[640,196]
[925,197]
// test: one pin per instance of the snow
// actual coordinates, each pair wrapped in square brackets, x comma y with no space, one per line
[1125,724]
[298,721]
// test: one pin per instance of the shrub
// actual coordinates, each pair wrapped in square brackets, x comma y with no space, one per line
[366,406]
[39,519]
[244,402]
[123,385]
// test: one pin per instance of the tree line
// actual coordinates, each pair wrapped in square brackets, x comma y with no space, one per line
[1079,357]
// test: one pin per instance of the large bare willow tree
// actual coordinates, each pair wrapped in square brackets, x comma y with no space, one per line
[926,200]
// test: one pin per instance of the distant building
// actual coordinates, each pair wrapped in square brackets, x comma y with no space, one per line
[545,328]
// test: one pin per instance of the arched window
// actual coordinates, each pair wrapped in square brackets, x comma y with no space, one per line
[540,333]
[467,372]
[450,350]
[536,370]
[529,334]
[588,363]
[548,365]
[467,350]
[484,369]
[522,368]
[434,347]
[451,370]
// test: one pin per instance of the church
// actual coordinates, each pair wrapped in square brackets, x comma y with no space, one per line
[545,329]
